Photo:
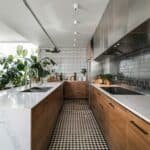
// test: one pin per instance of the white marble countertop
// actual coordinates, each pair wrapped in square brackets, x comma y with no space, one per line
[138,104]
[15,99]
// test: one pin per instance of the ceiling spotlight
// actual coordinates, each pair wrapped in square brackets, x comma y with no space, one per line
[75,33]
[74,45]
[75,21]
[75,40]
[118,44]
[75,6]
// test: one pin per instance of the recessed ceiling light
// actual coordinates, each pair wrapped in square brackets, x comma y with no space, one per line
[118,44]
[75,40]
[75,21]
[75,32]
[75,6]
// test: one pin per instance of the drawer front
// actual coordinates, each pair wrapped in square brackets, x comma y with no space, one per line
[138,133]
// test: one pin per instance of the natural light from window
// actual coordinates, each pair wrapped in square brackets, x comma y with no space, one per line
[10,48]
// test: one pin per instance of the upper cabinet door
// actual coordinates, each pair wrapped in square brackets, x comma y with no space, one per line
[119,18]
[105,23]
[96,43]
[118,14]
[139,11]
[101,37]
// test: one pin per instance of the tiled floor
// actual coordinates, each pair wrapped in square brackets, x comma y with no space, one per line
[77,129]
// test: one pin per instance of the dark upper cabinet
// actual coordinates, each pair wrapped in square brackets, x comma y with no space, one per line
[96,41]
[118,15]
[100,37]
[119,18]
[139,11]
[112,27]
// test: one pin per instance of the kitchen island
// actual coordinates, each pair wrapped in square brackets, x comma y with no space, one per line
[28,118]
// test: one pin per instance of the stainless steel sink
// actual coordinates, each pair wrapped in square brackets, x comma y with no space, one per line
[38,89]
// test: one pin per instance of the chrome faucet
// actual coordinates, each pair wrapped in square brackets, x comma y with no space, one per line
[30,83]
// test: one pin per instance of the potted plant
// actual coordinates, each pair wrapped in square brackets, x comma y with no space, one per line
[107,78]
[16,70]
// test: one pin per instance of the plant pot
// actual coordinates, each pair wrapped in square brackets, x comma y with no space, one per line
[107,82]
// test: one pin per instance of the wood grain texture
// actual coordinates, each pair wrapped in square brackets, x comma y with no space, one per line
[75,89]
[138,133]
[122,129]
[44,117]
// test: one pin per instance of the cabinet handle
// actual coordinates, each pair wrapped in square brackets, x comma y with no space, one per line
[112,105]
[138,127]
[98,93]
[101,106]
[93,106]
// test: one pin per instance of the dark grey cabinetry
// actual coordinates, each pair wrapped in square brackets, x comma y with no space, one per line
[97,44]
[139,11]
[119,18]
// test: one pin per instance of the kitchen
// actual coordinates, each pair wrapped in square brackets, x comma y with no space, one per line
[75,75]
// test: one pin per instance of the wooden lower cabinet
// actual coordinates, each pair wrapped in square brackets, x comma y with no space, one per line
[75,90]
[122,129]
[39,128]
[44,117]
[138,134]
[117,127]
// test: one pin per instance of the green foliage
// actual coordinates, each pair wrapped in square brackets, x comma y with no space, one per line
[17,69]
[21,51]
[106,76]
[39,66]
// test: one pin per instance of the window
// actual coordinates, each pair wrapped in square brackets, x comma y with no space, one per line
[10,48]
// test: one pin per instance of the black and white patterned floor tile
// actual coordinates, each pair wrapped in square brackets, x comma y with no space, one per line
[77,129]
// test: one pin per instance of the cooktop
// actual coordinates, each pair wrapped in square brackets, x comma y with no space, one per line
[120,91]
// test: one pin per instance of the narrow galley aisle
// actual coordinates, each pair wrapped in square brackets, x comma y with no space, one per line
[77,129]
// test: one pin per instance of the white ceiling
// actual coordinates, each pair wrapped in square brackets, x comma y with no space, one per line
[8,34]
[56,16]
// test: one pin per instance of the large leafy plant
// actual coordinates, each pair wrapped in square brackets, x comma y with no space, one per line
[38,67]
[13,68]
[16,70]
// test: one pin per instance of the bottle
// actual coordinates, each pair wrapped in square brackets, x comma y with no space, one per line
[61,76]
[75,76]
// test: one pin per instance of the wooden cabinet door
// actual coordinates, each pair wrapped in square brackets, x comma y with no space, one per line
[100,111]
[39,126]
[94,104]
[105,117]
[138,134]
[117,127]
[44,117]
[75,90]
[99,108]
[55,102]
[113,121]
